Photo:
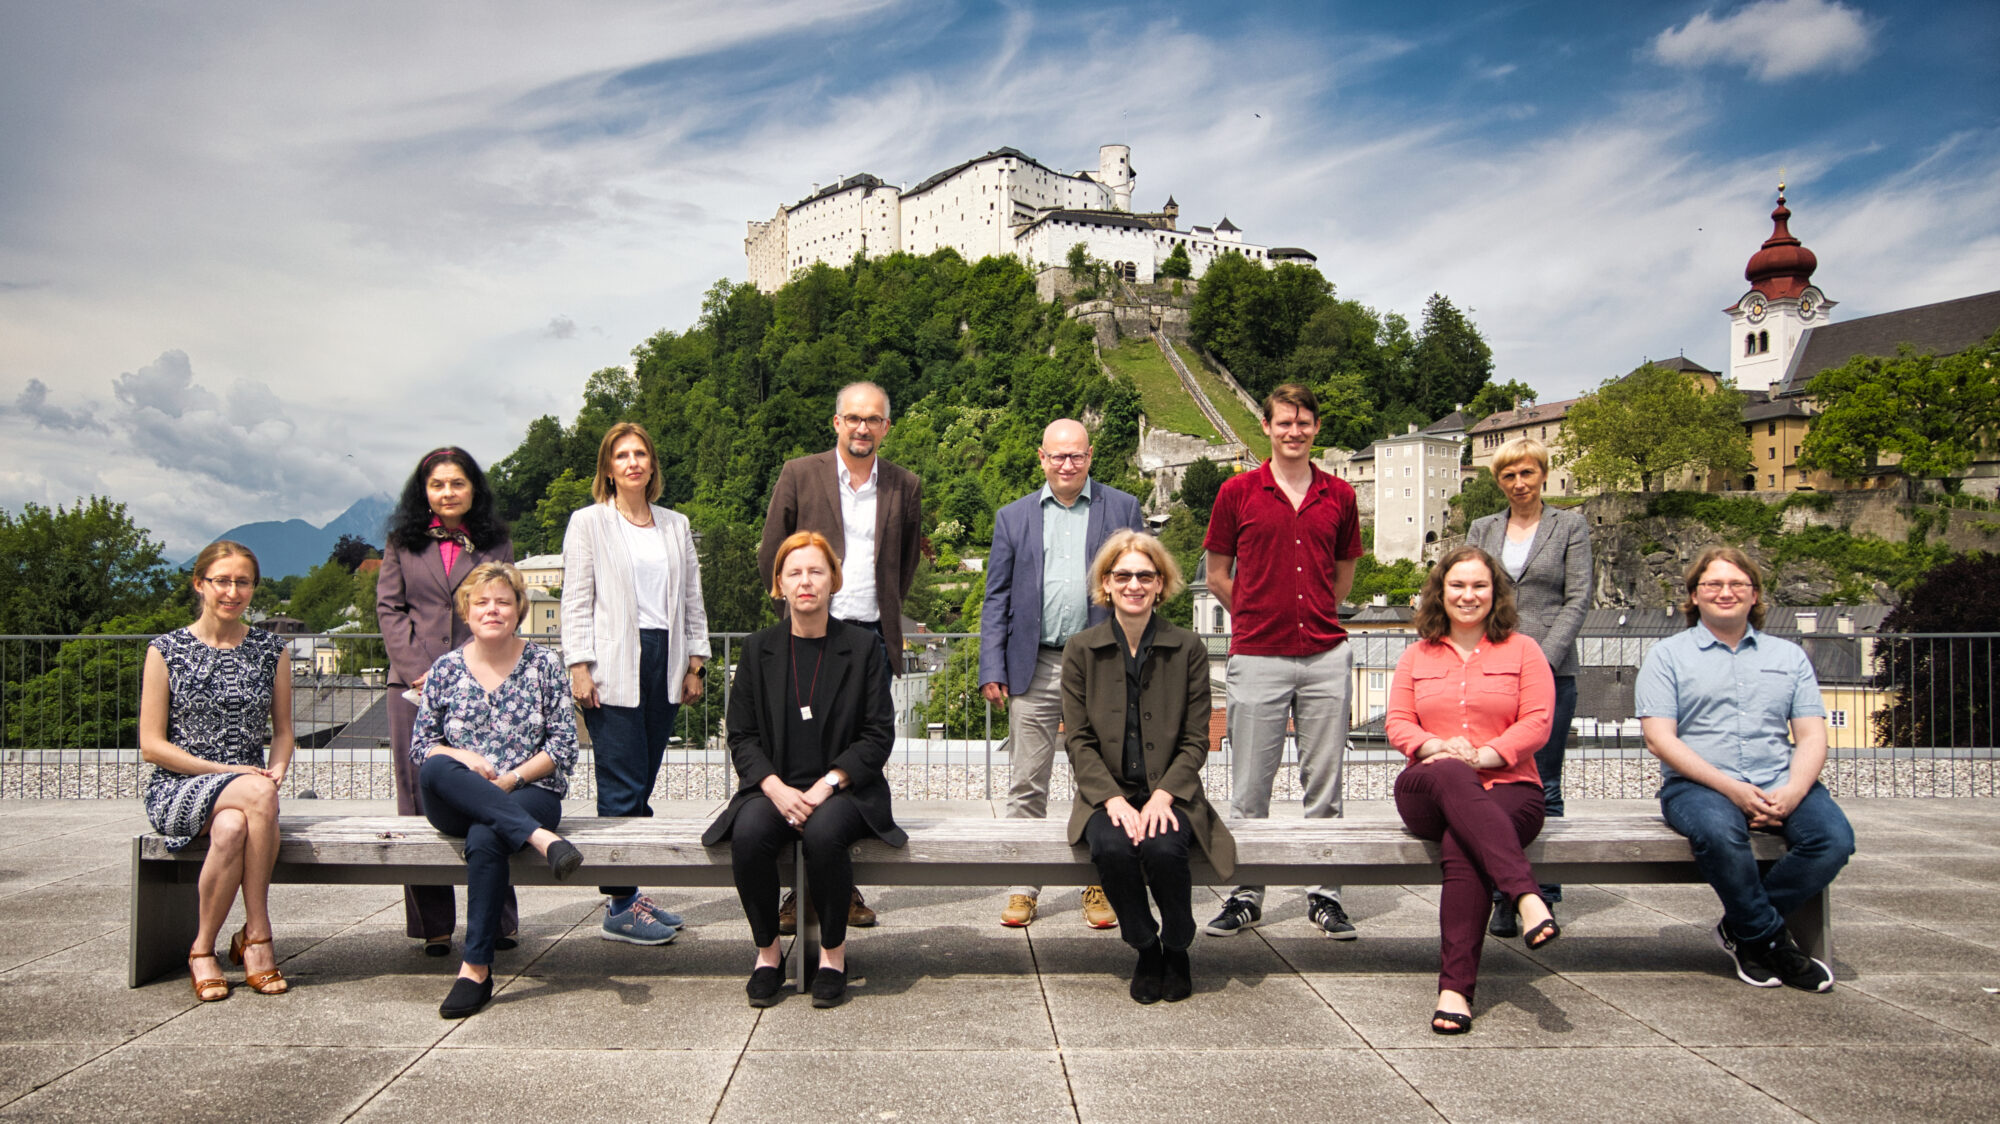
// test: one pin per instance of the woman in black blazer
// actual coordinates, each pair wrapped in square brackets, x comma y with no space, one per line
[810,727]
[443,527]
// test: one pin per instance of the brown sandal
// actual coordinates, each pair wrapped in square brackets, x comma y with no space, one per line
[207,989]
[263,983]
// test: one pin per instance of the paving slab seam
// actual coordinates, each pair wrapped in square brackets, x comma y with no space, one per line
[1048,1013]
[65,1073]
[66,948]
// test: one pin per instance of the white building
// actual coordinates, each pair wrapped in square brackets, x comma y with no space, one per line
[1767,323]
[1415,474]
[1005,202]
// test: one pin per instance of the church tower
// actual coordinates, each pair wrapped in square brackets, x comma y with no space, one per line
[1767,322]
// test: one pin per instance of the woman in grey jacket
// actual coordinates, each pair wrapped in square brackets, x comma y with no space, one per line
[1546,551]
[635,637]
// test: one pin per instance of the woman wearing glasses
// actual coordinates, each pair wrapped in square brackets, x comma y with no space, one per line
[444,526]
[1136,705]
[1546,554]
[1468,707]
[212,693]
[810,727]
[636,636]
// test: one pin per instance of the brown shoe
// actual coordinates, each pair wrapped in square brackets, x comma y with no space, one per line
[788,913]
[858,913]
[1096,910]
[1020,911]
[263,983]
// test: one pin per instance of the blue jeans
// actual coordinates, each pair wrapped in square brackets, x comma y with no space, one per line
[1756,903]
[629,741]
[494,825]
[1549,758]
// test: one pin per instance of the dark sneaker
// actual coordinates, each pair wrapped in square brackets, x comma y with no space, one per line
[1750,967]
[1237,915]
[1326,913]
[1506,922]
[1794,968]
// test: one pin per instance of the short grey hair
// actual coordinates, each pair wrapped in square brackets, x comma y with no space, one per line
[862,385]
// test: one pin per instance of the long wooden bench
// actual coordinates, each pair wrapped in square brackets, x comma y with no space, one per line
[390,850]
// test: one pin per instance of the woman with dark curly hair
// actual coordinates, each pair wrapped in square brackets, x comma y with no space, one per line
[1469,706]
[443,527]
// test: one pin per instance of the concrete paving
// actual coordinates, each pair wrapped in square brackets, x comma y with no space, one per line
[1632,1016]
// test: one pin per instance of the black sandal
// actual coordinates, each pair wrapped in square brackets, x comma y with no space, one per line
[1541,935]
[1459,1023]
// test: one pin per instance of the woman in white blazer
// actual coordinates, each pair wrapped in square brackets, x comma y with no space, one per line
[1546,554]
[635,637]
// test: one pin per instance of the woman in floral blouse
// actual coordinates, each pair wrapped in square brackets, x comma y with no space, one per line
[495,741]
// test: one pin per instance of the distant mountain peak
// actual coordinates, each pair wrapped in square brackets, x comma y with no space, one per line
[294,546]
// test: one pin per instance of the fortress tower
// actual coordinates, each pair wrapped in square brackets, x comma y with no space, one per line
[1114,170]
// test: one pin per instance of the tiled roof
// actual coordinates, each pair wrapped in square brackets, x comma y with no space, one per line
[1096,218]
[1531,414]
[862,180]
[1944,328]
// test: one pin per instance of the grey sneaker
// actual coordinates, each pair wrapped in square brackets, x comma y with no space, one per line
[1750,968]
[1332,920]
[1237,915]
[665,917]
[638,925]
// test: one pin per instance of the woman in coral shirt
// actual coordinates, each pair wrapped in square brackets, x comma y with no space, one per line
[1469,708]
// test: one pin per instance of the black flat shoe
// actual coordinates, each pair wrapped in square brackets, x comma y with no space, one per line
[766,986]
[505,944]
[467,997]
[1506,923]
[1541,935]
[1178,982]
[1459,1023]
[1148,982]
[564,858]
[829,987]
[437,946]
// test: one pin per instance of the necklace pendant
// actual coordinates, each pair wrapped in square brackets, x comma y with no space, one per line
[806,713]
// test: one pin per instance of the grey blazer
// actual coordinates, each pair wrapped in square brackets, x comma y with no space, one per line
[1554,591]
[413,604]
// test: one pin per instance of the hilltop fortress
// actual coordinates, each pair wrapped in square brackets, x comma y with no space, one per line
[1046,212]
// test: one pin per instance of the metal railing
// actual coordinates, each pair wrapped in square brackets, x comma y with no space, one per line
[1909,715]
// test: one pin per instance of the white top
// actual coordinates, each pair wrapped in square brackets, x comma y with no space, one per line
[856,599]
[648,548]
[600,602]
[1514,556]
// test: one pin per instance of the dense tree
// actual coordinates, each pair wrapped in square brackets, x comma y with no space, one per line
[323,597]
[1199,485]
[1935,414]
[520,478]
[88,695]
[1636,430]
[1495,397]
[1177,263]
[1450,362]
[1479,498]
[65,569]
[351,551]
[1943,686]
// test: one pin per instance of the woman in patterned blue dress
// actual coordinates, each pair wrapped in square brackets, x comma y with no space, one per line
[212,691]
[494,743]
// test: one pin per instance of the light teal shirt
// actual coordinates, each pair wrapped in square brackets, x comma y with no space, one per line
[1065,565]
[1735,709]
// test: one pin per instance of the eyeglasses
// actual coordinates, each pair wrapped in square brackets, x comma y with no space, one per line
[1128,577]
[1066,458]
[1718,587]
[872,421]
[231,583]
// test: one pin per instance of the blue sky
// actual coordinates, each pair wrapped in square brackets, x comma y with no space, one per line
[255,258]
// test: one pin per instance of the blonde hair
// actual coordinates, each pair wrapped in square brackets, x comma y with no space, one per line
[601,488]
[1517,449]
[215,552]
[799,540]
[483,575]
[1124,542]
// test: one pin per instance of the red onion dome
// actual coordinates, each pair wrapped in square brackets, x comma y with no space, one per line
[1784,267]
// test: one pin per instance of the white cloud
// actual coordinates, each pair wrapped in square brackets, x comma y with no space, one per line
[33,403]
[1774,39]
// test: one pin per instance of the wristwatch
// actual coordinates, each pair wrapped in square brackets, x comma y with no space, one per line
[519,781]
[831,780]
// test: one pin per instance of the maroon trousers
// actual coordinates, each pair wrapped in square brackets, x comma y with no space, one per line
[1481,833]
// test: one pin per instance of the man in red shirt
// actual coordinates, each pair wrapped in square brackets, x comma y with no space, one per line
[1282,544]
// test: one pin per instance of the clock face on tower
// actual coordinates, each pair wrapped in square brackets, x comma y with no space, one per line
[1753,307]
[1809,302]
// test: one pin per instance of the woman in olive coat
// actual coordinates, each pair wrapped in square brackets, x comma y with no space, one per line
[1136,702]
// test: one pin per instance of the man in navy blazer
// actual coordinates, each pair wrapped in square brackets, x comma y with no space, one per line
[1037,597]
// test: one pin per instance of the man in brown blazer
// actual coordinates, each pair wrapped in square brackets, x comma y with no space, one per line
[870,510]
[872,513]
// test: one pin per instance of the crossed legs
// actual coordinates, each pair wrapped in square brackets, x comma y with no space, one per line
[242,849]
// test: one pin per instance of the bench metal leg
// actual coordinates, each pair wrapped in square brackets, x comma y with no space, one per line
[805,941]
[165,913]
[1812,926]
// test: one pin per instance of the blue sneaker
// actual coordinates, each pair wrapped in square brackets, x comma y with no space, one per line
[638,925]
[666,916]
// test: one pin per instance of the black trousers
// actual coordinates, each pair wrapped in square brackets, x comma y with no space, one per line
[428,911]
[1126,869]
[760,833]
[494,825]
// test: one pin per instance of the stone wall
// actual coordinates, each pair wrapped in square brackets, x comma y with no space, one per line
[1164,457]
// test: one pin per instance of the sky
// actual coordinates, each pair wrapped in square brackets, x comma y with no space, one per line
[256,259]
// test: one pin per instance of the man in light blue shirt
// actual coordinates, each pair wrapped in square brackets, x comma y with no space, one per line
[1716,704]
[1037,597]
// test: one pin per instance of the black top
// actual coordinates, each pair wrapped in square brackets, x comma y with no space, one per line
[1133,771]
[801,756]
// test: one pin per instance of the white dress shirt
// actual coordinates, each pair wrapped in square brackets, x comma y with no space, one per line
[856,599]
